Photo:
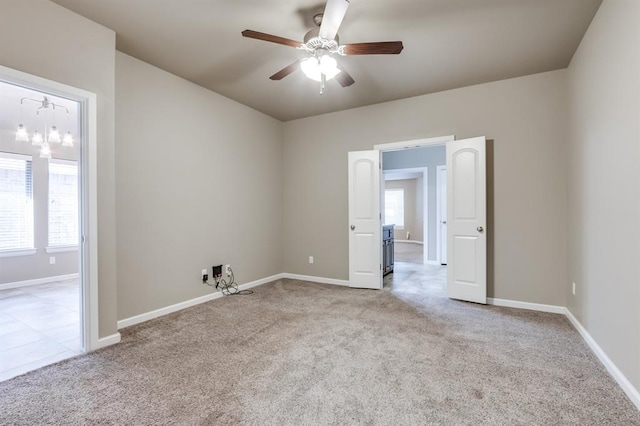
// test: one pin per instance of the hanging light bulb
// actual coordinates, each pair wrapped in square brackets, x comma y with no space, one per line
[21,134]
[329,67]
[314,67]
[311,68]
[45,151]
[67,140]
[37,138]
[54,135]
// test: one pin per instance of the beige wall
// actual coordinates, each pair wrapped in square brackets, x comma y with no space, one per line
[604,199]
[526,119]
[413,208]
[44,39]
[199,182]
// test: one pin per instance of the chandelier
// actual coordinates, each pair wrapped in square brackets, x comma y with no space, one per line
[49,135]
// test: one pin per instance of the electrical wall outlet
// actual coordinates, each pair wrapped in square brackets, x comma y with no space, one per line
[227,269]
[52,260]
[310,259]
[217,271]
[205,275]
[573,288]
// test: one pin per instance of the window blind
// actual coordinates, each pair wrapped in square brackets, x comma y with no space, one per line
[16,202]
[63,203]
[394,207]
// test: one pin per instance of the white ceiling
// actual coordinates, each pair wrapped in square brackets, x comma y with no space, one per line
[447,44]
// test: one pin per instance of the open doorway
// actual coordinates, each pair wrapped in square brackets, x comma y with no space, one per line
[42,305]
[412,208]
[466,197]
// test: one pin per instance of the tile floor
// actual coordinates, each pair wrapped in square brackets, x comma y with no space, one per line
[39,325]
[411,276]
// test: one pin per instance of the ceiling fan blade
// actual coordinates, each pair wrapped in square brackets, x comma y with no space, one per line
[268,37]
[344,78]
[375,48]
[332,18]
[285,71]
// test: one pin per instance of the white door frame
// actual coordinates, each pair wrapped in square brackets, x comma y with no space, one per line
[425,204]
[439,218]
[417,143]
[88,197]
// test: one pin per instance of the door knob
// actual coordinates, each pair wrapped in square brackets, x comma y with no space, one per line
[444,222]
[353,227]
[480,228]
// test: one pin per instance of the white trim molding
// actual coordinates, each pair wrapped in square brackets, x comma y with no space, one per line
[61,249]
[37,281]
[18,252]
[415,143]
[320,280]
[617,375]
[103,342]
[88,186]
[554,309]
[137,319]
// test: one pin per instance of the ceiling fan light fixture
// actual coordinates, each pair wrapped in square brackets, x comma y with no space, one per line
[314,67]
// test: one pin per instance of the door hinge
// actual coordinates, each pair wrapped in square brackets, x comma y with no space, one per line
[381,266]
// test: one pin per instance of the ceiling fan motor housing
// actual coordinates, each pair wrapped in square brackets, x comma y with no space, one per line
[313,41]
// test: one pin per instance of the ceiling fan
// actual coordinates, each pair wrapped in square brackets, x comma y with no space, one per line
[322,43]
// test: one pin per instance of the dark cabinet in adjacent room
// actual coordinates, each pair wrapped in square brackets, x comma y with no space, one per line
[387,249]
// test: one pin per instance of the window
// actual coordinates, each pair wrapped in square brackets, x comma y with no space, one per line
[63,203]
[16,202]
[394,207]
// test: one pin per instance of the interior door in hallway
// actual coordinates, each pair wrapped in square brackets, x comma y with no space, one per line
[466,220]
[365,220]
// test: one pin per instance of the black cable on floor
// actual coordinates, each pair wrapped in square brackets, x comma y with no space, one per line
[229,288]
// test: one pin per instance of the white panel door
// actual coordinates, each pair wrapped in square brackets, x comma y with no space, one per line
[365,224]
[466,220]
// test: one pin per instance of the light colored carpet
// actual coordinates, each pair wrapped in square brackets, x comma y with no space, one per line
[300,353]
[408,252]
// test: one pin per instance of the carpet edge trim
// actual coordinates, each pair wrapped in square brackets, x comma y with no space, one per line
[631,392]
[137,319]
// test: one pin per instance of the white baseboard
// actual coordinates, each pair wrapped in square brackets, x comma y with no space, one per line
[103,342]
[313,279]
[37,281]
[137,319]
[408,241]
[623,382]
[617,375]
[526,305]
